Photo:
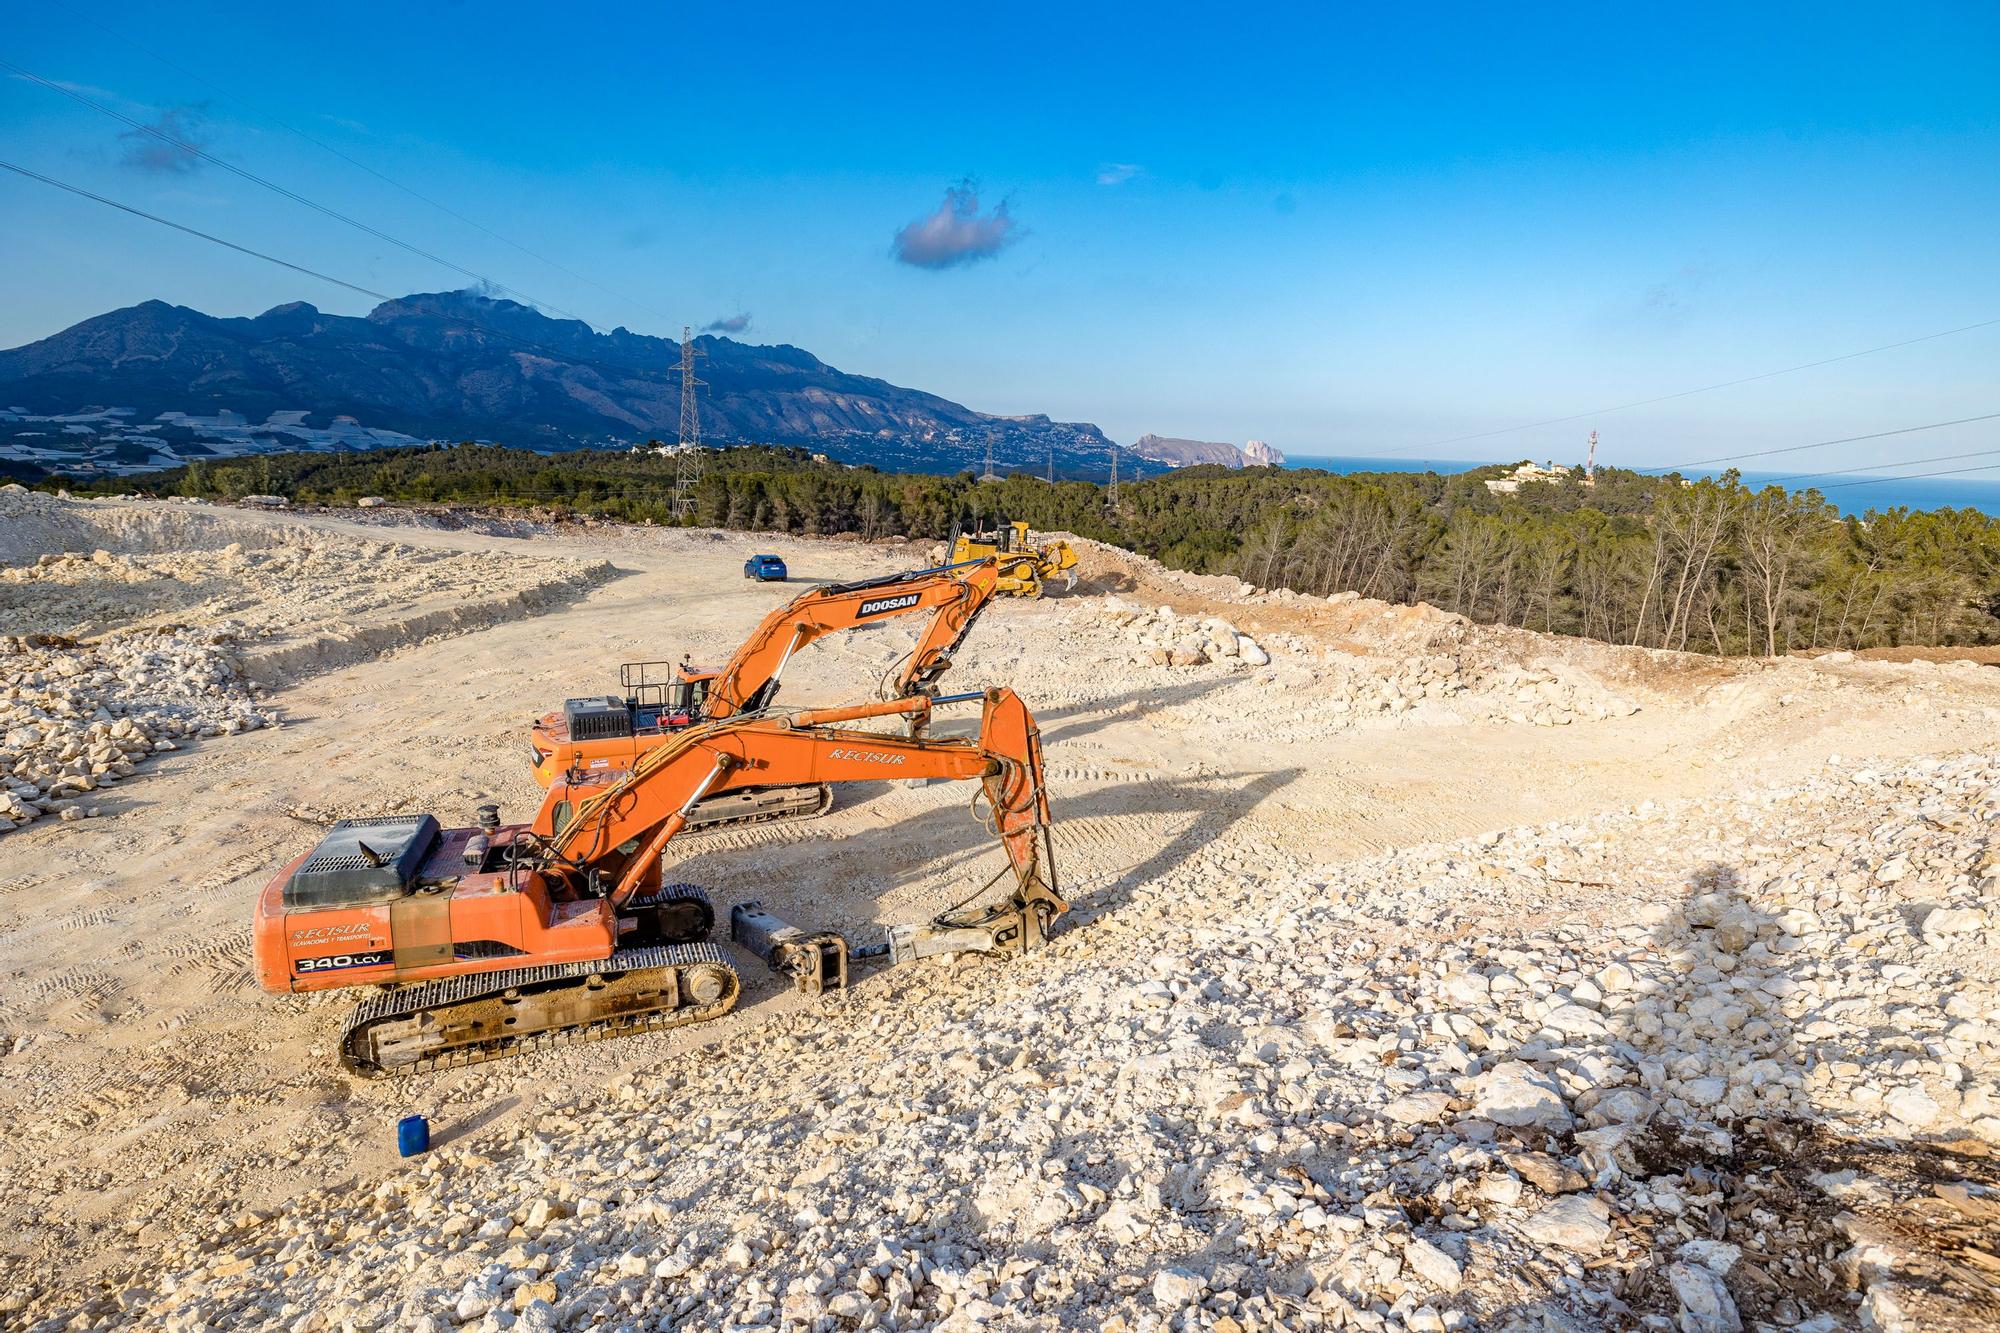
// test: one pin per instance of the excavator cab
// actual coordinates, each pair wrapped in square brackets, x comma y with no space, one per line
[608,731]
[665,696]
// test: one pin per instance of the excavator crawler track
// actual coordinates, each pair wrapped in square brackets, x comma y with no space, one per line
[464,1020]
[779,804]
[671,914]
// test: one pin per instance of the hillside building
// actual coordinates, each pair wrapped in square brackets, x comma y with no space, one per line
[1525,474]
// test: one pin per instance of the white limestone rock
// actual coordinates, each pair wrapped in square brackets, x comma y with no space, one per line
[1433,1265]
[1705,1303]
[1575,1222]
[1519,1095]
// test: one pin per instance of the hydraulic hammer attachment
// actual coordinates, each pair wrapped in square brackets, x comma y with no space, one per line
[815,963]
[1020,924]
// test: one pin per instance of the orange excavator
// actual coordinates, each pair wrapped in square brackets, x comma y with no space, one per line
[660,699]
[499,938]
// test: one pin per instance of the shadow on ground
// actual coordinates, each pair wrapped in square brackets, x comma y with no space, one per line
[1720,1152]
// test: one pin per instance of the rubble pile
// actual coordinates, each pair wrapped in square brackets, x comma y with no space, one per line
[1664,1069]
[100,666]
[74,593]
[1395,686]
[75,719]
[1336,686]
[32,523]
[1545,699]
[1164,638]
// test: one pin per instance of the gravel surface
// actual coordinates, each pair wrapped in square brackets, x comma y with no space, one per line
[1584,989]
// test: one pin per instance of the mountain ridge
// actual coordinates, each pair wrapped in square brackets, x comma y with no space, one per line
[1191,453]
[457,365]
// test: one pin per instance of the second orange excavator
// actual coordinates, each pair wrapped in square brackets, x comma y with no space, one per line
[661,699]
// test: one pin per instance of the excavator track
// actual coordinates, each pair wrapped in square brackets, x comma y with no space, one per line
[671,914]
[465,1020]
[775,804]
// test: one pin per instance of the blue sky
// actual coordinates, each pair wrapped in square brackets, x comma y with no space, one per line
[1342,230]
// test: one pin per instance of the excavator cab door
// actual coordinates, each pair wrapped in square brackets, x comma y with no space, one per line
[691,694]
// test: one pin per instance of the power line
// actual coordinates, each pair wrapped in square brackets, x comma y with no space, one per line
[192,231]
[529,344]
[1687,393]
[1918,476]
[1906,462]
[446,209]
[194,150]
[1821,444]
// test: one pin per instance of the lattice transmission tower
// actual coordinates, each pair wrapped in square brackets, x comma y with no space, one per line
[687,475]
[1111,491]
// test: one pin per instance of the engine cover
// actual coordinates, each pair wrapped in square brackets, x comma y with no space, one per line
[608,718]
[361,861]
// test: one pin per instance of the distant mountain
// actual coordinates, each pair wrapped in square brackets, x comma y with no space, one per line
[155,383]
[1188,453]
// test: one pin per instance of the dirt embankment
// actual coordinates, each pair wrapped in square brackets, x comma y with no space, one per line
[128,631]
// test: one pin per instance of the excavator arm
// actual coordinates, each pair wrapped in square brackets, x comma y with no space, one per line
[954,594]
[611,835]
[946,629]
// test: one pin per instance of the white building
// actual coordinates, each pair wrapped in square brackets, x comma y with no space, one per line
[1525,473]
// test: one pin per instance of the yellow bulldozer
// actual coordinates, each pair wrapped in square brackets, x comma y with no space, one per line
[1024,566]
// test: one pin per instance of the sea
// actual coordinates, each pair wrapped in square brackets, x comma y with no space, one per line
[1855,493]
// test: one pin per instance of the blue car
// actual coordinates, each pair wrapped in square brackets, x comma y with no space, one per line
[764,569]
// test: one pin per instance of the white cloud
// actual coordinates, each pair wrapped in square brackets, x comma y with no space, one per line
[956,233]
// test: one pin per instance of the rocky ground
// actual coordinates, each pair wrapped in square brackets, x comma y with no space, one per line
[1421,976]
[110,656]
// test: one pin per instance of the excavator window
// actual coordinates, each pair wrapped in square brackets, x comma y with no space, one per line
[683,696]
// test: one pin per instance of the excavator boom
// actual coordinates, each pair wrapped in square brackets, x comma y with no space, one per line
[593,822]
[955,593]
